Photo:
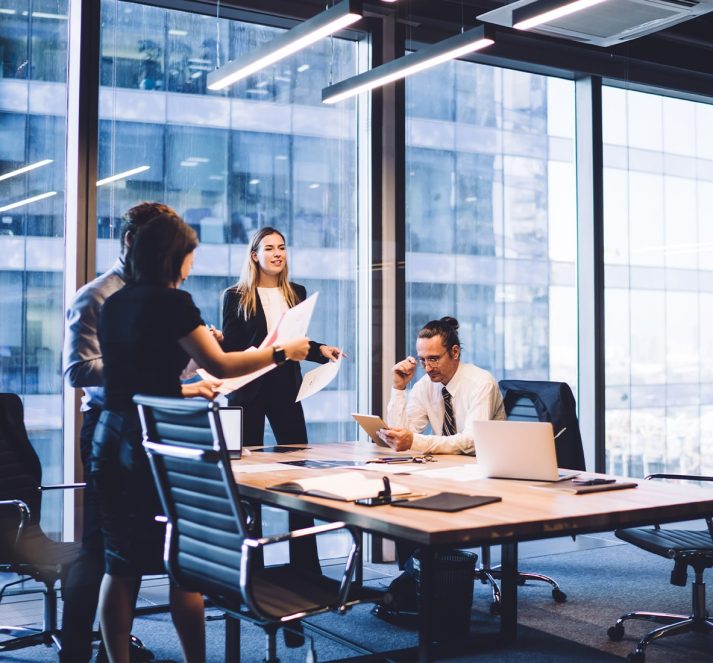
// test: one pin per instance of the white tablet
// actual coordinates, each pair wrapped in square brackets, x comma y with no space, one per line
[371,424]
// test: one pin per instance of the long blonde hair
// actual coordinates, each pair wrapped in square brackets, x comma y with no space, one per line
[247,284]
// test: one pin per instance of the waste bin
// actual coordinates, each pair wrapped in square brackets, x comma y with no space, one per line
[452,590]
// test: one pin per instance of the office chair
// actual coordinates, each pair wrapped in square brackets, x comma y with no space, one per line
[686,548]
[531,400]
[209,548]
[25,549]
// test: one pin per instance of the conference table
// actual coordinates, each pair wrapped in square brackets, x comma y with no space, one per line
[528,511]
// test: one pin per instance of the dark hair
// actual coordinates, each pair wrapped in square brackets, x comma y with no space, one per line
[159,248]
[137,215]
[446,328]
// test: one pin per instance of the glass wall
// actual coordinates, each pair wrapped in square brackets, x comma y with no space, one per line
[491,216]
[33,77]
[658,238]
[266,152]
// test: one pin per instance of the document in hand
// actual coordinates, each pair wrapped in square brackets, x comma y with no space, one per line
[292,324]
[318,378]
[345,486]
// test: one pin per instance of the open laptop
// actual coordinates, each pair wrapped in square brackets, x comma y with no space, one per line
[231,421]
[518,450]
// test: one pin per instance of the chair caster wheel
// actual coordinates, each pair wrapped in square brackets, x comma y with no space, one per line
[636,657]
[559,596]
[616,632]
[495,608]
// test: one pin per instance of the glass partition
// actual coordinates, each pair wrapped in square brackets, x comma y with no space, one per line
[33,86]
[658,243]
[491,216]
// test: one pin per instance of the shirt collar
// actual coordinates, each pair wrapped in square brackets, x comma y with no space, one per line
[452,385]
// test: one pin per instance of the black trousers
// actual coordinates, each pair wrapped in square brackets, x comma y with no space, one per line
[81,588]
[275,401]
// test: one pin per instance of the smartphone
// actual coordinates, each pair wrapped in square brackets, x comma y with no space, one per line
[373,501]
[592,482]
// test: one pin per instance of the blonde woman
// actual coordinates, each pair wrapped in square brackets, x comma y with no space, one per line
[250,308]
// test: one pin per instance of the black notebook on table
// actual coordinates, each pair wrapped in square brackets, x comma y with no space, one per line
[448,502]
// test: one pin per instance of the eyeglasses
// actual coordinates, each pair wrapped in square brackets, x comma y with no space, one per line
[431,361]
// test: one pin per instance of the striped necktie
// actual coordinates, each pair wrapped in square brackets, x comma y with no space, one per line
[449,419]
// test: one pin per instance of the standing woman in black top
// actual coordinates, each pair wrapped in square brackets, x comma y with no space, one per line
[250,308]
[148,331]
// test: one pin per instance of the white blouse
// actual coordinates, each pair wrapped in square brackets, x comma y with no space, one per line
[273,303]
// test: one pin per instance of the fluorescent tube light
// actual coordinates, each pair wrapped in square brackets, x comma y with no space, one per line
[329,21]
[544,11]
[25,169]
[27,201]
[425,58]
[121,176]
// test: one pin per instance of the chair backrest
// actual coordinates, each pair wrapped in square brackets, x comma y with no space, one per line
[535,400]
[191,467]
[20,469]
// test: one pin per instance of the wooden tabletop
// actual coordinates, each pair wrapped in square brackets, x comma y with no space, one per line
[525,512]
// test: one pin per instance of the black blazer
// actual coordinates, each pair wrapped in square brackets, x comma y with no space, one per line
[240,333]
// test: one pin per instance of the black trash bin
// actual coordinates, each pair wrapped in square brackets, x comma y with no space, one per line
[452,598]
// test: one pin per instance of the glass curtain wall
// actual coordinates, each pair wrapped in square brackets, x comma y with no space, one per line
[658,242]
[33,85]
[491,216]
[266,152]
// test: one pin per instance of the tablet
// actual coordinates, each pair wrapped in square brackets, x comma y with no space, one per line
[371,424]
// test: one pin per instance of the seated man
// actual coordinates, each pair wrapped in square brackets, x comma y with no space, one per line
[450,397]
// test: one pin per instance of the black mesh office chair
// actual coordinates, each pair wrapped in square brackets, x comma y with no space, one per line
[209,548]
[532,400]
[25,550]
[686,548]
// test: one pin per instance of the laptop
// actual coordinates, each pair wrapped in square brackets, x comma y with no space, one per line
[231,421]
[518,450]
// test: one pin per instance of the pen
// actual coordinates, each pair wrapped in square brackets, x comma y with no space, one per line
[560,433]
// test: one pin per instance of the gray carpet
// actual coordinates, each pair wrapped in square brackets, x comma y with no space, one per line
[601,583]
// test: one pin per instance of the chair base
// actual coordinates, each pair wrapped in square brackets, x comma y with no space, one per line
[490,576]
[28,637]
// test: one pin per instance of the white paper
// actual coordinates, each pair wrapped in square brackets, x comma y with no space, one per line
[468,472]
[291,325]
[318,378]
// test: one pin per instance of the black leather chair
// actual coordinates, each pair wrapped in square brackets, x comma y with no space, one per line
[533,400]
[25,549]
[208,544]
[686,548]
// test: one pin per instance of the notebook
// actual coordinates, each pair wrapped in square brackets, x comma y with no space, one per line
[518,450]
[231,421]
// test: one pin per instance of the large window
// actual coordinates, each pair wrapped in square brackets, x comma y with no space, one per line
[491,216]
[264,153]
[658,236]
[33,75]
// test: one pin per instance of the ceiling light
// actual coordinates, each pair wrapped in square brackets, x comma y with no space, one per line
[425,58]
[27,201]
[121,176]
[302,67]
[25,169]
[543,11]
[329,21]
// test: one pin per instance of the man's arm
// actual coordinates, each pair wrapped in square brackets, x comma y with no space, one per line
[84,366]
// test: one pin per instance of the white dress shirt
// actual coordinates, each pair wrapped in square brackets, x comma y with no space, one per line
[475,395]
[273,304]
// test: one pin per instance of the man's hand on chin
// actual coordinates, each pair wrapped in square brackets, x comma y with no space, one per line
[399,439]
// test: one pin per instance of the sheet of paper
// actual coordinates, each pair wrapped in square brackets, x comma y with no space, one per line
[318,378]
[239,468]
[231,384]
[295,321]
[392,468]
[468,472]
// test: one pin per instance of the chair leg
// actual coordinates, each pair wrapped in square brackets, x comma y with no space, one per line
[271,644]
[29,637]
[232,639]
[557,594]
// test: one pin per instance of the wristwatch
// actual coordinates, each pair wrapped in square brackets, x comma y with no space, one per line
[278,355]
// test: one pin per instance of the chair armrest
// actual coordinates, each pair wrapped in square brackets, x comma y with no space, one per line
[686,477]
[295,534]
[250,545]
[63,486]
[23,511]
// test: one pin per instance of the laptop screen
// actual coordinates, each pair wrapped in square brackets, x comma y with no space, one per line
[231,421]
